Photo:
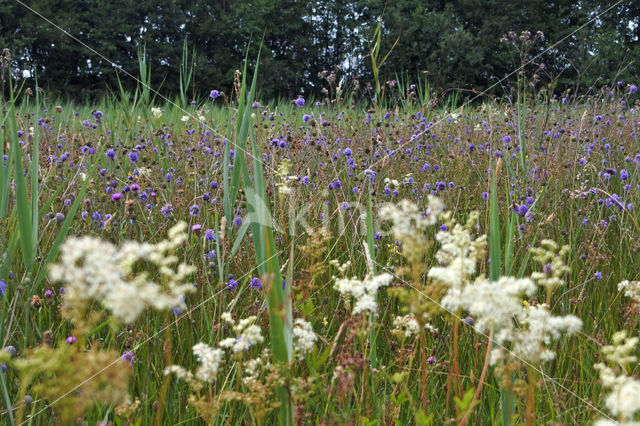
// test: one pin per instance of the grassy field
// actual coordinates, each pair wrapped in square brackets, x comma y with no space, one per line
[254,264]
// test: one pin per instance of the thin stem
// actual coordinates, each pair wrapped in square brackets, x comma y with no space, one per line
[483,375]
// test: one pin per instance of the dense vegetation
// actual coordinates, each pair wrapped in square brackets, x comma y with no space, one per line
[306,288]
[329,234]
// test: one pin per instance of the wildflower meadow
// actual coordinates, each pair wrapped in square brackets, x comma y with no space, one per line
[374,255]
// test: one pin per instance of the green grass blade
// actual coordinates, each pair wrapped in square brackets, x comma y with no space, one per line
[22,195]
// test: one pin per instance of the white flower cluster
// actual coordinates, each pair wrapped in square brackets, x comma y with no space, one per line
[498,306]
[538,328]
[459,254]
[409,224]
[209,360]
[96,270]
[623,400]
[304,338]
[407,326]
[247,335]
[631,289]
[494,305]
[364,292]
[552,258]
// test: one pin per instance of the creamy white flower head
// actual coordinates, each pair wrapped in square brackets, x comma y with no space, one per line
[409,224]
[494,305]
[157,112]
[248,334]
[539,328]
[209,360]
[631,289]
[623,400]
[304,338]
[97,270]
[364,292]
[622,350]
[405,326]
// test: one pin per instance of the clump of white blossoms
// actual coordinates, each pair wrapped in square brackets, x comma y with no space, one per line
[494,305]
[410,224]
[363,291]
[459,254]
[405,326]
[96,270]
[209,360]
[284,186]
[304,338]
[538,328]
[248,334]
[623,400]
[631,289]
[551,257]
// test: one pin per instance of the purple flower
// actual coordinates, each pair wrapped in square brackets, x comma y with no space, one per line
[213,185]
[237,221]
[116,196]
[345,206]
[60,217]
[506,139]
[111,153]
[485,195]
[210,235]
[431,360]
[214,94]
[624,175]
[166,210]
[232,284]
[97,114]
[347,152]
[71,340]
[306,118]
[523,209]
[598,275]
[129,356]
[3,287]
[299,102]
[133,156]
[633,88]
[194,210]
[255,283]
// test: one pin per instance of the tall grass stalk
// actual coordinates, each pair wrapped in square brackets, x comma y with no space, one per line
[186,73]
[260,218]
[495,270]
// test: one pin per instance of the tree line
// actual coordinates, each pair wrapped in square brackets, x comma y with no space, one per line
[466,45]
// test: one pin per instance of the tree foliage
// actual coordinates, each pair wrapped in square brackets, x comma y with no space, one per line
[455,44]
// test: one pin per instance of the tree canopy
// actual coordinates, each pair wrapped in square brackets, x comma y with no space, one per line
[454,44]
